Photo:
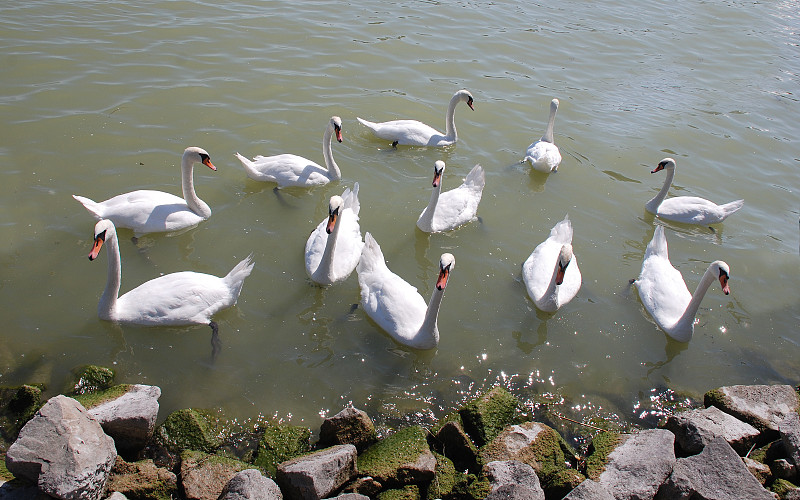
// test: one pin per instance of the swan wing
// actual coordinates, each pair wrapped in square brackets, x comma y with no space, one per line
[405,132]
[537,270]
[695,210]
[285,170]
[348,245]
[661,287]
[543,156]
[148,211]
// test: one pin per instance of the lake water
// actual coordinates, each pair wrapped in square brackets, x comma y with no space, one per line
[99,98]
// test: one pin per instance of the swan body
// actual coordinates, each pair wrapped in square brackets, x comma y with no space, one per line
[451,209]
[664,293]
[334,247]
[551,272]
[416,133]
[395,305]
[182,298]
[687,209]
[543,154]
[292,170]
[148,211]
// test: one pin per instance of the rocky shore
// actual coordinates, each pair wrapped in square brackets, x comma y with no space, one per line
[101,441]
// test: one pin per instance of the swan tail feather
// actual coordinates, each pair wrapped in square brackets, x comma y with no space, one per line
[658,245]
[351,199]
[366,123]
[476,177]
[92,206]
[732,207]
[235,278]
[371,255]
[562,232]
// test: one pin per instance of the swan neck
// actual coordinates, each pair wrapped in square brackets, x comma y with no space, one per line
[430,327]
[551,122]
[450,119]
[333,169]
[325,269]
[108,301]
[550,296]
[687,318]
[427,217]
[194,203]
[654,203]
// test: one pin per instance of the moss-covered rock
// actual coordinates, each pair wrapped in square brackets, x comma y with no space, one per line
[559,483]
[400,459]
[90,378]
[597,454]
[142,480]
[17,406]
[452,441]
[205,476]
[189,429]
[98,397]
[4,474]
[485,417]
[471,487]
[451,484]
[782,487]
[279,443]
[408,492]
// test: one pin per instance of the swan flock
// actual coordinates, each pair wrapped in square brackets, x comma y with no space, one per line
[335,248]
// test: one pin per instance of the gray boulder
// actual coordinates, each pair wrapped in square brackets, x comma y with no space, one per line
[250,484]
[350,496]
[790,436]
[131,418]
[693,429]
[317,475]
[638,466]
[717,473]
[762,406]
[515,492]
[513,472]
[349,426]
[63,450]
[589,490]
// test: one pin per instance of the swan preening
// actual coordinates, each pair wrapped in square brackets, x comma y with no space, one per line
[395,305]
[147,211]
[334,247]
[183,298]
[451,209]
[664,293]
[687,209]
[551,273]
[292,170]
[543,154]
[416,133]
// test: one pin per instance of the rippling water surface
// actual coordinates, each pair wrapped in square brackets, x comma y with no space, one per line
[98,98]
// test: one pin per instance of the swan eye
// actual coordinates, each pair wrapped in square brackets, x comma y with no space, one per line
[101,236]
[723,274]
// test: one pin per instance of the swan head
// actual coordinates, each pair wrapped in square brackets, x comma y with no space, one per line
[103,229]
[446,264]
[465,96]
[438,169]
[193,155]
[724,272]
[564,258]
[667,163]
[554,104]
[334,209]
[336,125]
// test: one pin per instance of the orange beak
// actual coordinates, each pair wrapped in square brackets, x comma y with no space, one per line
[98,244]
[437,178]
[338,134]
[207,163]
[331,221]
[659,168]
[562,270]
[444,275]
[723,280]
[469,103]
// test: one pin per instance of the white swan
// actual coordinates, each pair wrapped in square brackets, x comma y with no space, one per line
[687,209]
[334,247]
[663,291]
[183,298]
[543,154]
[416,133]
[551,273]
[292,170]
[147,211]
[448,210]
[395,305]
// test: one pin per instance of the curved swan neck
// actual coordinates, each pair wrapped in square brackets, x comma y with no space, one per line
[333,169]
[687,318]
[550,295]
[430,327]
[108,301]
[325,269]
[194,203]
[427,219]
[450,119]
[551,122]
[654,203]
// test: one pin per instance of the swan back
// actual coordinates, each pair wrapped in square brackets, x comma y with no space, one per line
[451,209]
[551,273]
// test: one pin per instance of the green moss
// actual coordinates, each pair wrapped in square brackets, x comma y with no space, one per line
[4,474]
[450,417]
[471,488]
[189,429]
[715,397]
[90,378]
[281,442]
[382,460]
[485,417]
[444,479]
[92,399]
[17,406]
[782,487]
[142,480]
[558,485]
[602,445]
[409,492]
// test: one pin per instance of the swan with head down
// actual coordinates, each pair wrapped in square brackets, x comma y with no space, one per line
[687,209]
[543,154]
[333,248]
[416,133]
[551,272]
[664,293]
[148,211]
[394,304]
[451,209]
[293,170]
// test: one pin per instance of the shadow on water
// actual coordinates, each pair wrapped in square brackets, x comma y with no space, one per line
[538,324]
[671,350]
